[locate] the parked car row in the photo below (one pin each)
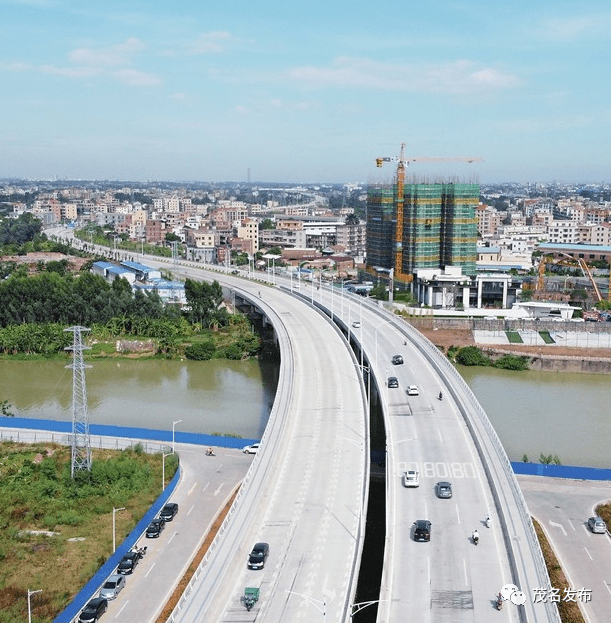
(116, 582)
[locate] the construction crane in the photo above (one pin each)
(586, 271)
(402, 163)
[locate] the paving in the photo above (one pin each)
(562, 507)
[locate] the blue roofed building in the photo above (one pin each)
(110, 272)
(142, 272)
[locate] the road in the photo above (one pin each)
(562, 507)
(205, 486)
(307, 494)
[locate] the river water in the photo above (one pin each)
(562, 414)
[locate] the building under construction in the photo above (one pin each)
(438, 228)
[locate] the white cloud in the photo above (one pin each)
(452, 77)
(135, 78)
(573, 27)
(107, 57)
(211, 42)
(70, 72)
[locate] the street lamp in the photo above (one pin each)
(173, 425)
(319, 605)
(364, 604)
(29, 608)
(164, 469)
(115, 510)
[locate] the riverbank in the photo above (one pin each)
(549, 358)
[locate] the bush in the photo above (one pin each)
(202, 351)
(472, 356)
(511, 362)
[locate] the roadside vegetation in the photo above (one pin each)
(56, 531)
(603, 511)
(473, 356)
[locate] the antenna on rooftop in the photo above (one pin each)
(81, 443)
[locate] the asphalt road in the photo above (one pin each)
(562, 507)
(206, 484)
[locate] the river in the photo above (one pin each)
(552, 413)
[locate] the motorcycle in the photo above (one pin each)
(500, 601)
(488, 521)
(210, 452)
(440, 396)
(475, 537)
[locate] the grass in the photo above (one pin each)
(547, 337)
(569, 611)
(39, 496)
(603, 510)
(514, 337)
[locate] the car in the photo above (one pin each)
(128, 562)
(252, 449)
(258, 556)
(169, 511)
(356, 324)
(410, 478)
(392, 382)
(397, 360)
(444, 490)
(113, 586)
(296, 285)
(413, 390)
(94, 609)
(597, 525)
(422, 530)
(155, 528)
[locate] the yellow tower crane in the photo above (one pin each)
(402, 163)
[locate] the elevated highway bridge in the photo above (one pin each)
(306, 491)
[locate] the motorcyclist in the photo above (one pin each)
(475, 537)
(440, 396)
(488, 521)
(500, 601)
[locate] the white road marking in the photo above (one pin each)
(557, 525)
(589, 555)
(122, 609)
(465, 574)
(189, 511)
(458, 517)
(219, 489)
(173, 535)
(193, 486)
(205, 487)
(150, 569)
(607, 586)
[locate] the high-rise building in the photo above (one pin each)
(439, 227)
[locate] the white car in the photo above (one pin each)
(251, 449)
(410, 478)
(356, 324)
(413, 390)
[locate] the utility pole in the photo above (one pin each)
(81, 443)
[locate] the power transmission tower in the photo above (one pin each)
(81, 443)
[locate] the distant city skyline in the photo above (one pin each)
(305, 92)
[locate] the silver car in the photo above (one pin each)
(113, 586)
(597, 525)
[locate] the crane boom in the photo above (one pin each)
(402, 163)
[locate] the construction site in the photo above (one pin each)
(412, 226)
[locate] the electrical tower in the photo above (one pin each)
(81, 443)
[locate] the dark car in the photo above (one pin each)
(128, 562)
(422, 530)
(397, 360)
(258, 555)
(155, 528)
(169, 511)
(392, 382)
(93, 610)
(444, 490)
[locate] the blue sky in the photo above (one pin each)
(304, 92)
